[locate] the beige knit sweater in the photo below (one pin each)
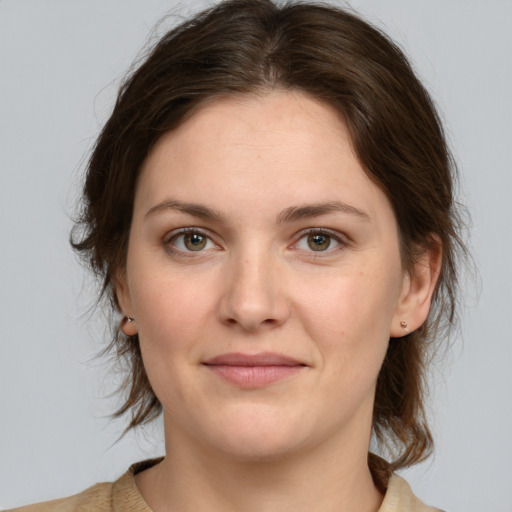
(124, 496)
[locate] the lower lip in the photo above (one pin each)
(254, 376)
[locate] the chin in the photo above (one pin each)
(259, 437)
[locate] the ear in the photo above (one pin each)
(124, 303)
(418, 287)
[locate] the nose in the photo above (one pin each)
(253, 297)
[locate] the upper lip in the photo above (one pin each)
(261, 359)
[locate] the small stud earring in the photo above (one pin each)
(130, 319)
(403, 325)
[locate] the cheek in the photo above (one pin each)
(173, 317)
(172, 310)
(352, 302)
(349, 316)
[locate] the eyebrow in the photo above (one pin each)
(196, 210)
(291, 214)
(296, 213)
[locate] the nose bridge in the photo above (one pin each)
(253, 295)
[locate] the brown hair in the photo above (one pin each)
(252, 46)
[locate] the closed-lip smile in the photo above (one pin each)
(252, 371)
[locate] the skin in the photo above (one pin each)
(258, 285)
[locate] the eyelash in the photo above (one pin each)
(340, 240)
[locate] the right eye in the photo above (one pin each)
(191, 241)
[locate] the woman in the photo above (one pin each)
(270, 210)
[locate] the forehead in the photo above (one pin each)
(282, 147)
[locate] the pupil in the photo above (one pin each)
(319, 242)
(195, 241)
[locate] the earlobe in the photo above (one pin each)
(417, 291)
(128, 324)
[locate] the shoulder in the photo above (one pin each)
(98, 498)
(121, 495)
(400, 498)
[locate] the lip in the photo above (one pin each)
(252, 371)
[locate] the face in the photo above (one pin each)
(264, 276)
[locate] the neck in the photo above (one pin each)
(319, 478)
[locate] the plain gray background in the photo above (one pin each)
(60, 64)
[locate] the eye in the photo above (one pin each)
(191, 241)
(318, 241)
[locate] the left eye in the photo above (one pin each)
(192, 241)
(317, 241)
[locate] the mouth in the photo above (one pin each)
(250, 371)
